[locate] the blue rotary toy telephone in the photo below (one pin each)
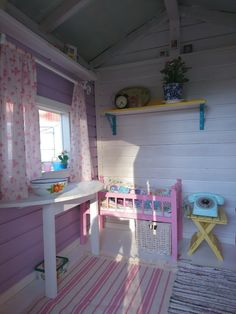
(206, 204)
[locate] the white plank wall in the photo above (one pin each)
(161, 147)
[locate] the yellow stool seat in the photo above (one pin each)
(205, 226)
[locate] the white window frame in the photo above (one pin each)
(47, 104)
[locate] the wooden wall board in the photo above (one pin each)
(162, 147)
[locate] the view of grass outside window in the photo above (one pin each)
(53, 129)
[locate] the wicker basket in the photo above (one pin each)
(153, 236)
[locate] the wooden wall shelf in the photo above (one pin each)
(157, 106)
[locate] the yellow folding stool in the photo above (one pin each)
(205, 226)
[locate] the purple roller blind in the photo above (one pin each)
(53, 86)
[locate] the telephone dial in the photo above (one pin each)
(206, 204)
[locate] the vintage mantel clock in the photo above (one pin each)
(121, 101)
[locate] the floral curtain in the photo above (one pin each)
(80, 160)
(19, 123)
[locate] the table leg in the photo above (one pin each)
(204, 229)
(211, 239)
(49, 242)
(205, 234)
(94, 225)
(83, 223)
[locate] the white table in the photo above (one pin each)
(75, 194)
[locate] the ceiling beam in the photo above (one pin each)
(210, 16)
(109, 52)
(62, 13)
(24, 19)
(174, 26)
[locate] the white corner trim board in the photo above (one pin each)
(15, 29)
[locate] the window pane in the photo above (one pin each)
(50, 135)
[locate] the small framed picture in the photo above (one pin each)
(188, 48)
(71, 51)
(174, 44)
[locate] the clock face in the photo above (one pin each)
(121, 101)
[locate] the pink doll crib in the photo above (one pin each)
(164, 207)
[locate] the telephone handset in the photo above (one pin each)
(206, 204)
(218, 198)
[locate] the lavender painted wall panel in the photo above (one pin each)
(11, 248)
(11, 214)
(20, 266)
(92, 131)
(67, 235)
(25, 251)
(91, 120)
(19, 226)
(67, 228)
(21, 243)
(21, 237)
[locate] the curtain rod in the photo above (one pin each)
(45, 65)
(85, 84)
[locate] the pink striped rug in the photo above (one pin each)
(102, 285)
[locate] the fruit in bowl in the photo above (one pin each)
(45, 187)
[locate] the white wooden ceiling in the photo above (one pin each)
(99, 27)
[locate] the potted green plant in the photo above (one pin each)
(64, 159)
(173, 79)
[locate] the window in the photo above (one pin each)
(54, 132)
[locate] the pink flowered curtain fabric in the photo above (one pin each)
(80, 160)
(19, 123)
